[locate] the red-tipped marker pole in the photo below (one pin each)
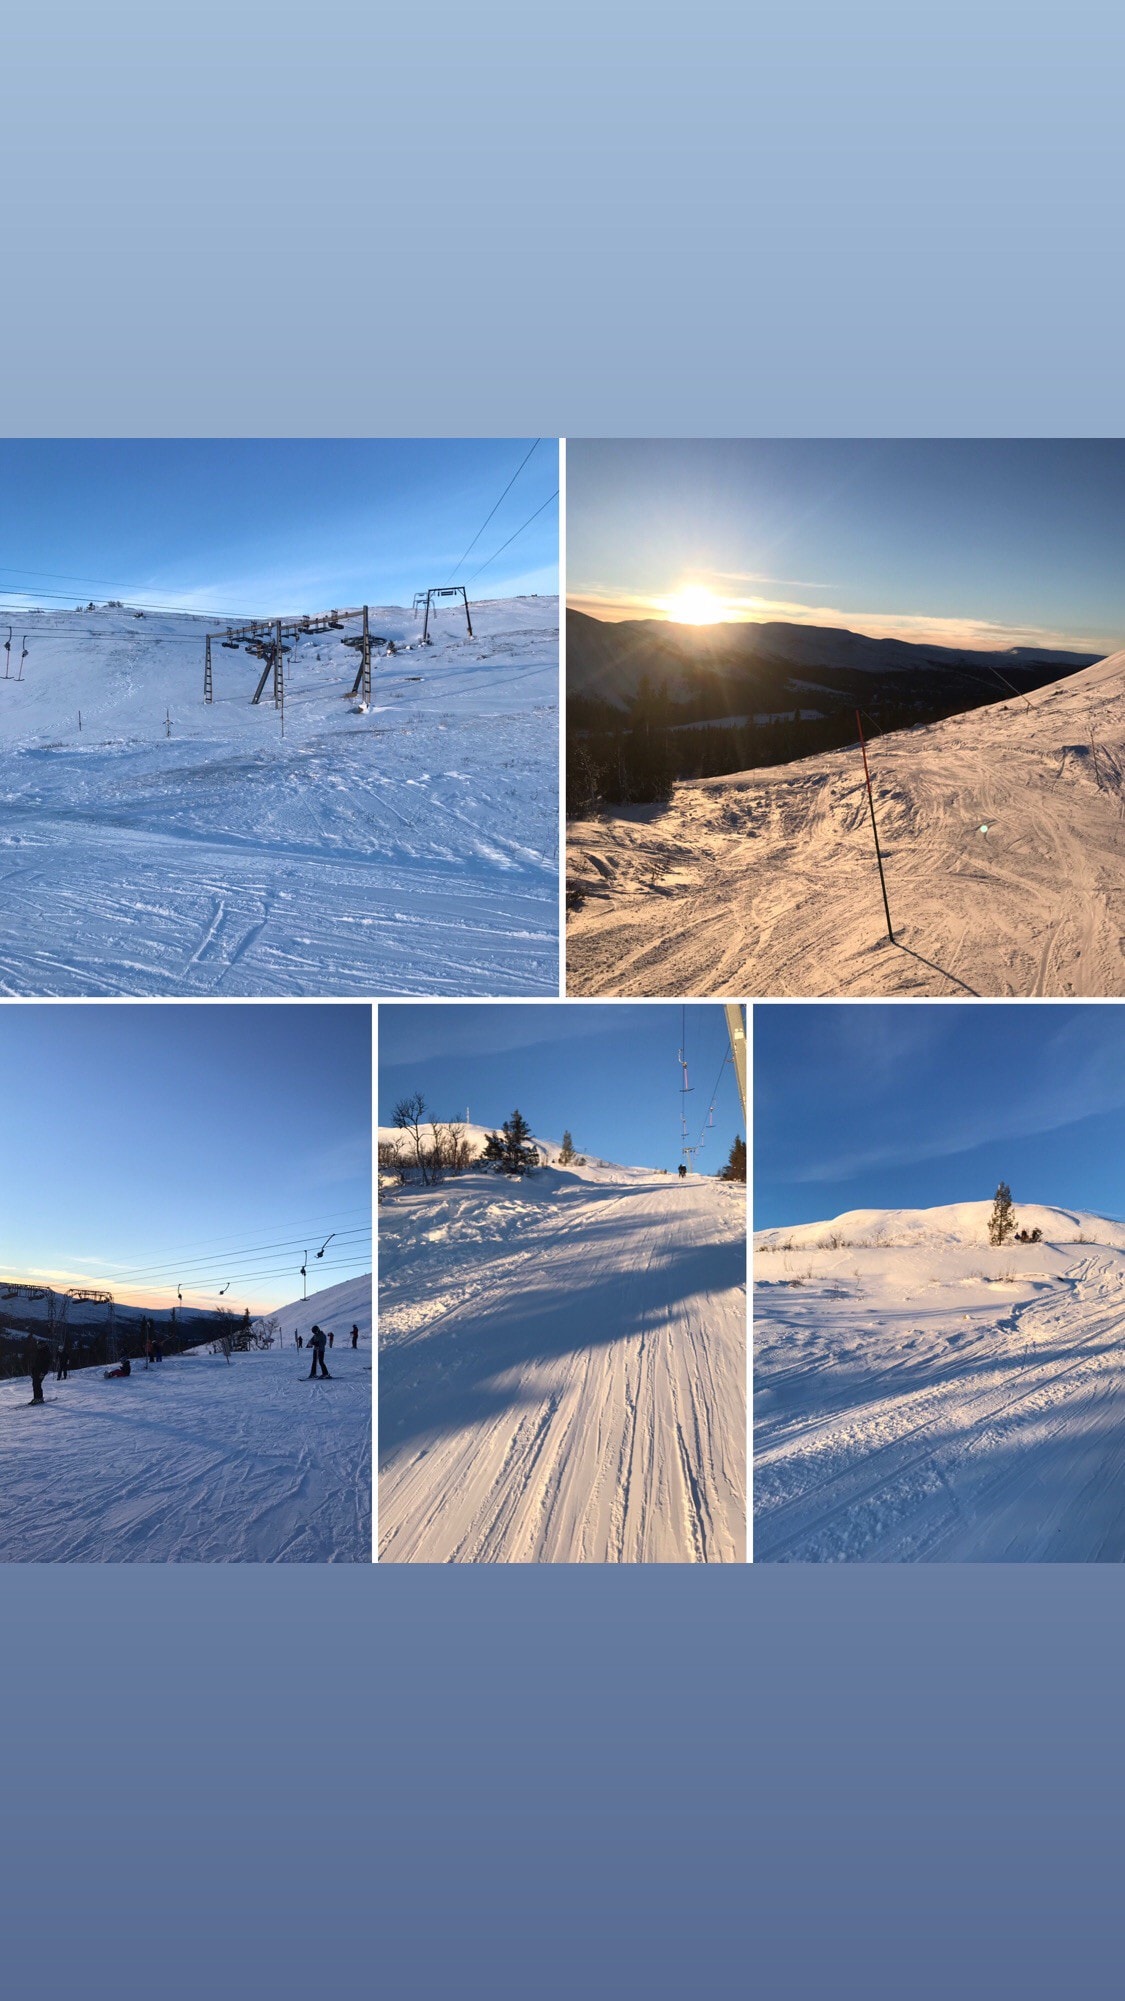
(874, 828)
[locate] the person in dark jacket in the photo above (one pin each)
(124, 1368)
(38, 1363)
(355, 1337)
(317, 1343)
(331, 1337)
(63, 1371)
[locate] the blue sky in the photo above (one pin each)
(608, 1073)
(149, 1146)
(253, 527)
(912, 1105)
(1015, 542)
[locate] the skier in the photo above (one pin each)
(124, 1368)
(225, 1345)
(317, 1343)
(38, 1363)
(355, 1337)
(63, 1370)
(331, 1337)
(683, 1172)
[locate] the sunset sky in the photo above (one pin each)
(958, 543)
(155, 1149)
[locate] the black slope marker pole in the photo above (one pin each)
(874, 829)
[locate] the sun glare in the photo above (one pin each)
(695, 606)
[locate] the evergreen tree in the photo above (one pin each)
(1002, 1222)
(519, 1154)
(493, 1155)
(566, 1150)
(735, 1169)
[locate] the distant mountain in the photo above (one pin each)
(727, 663)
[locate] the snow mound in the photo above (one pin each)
(955, 1223)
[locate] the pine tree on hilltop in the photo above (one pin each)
(520, 1156)
(493, 1155)
(735, 1169)
(1002, 1222)
(566, 1150)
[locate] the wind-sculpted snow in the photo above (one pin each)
(411, 849)
(921, 1394)
(197, 1460)
(562, 1369)
(1003, 833)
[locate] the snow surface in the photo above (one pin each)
(409, 849)
(562, 1367)
(197, 1460)
(1004, 847)
(920, 1394)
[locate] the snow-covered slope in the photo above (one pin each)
(196, 1459)
(562, 1369)
(920, 1393)
(154, 844)
(1003, 833)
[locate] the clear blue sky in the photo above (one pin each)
(190, 1137)
(608, 1073)
(913, 1105)
(259, 527)
(1015, 542)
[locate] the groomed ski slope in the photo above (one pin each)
(921, 1395)
(197, 1460)
(562, 1369)
(411, 849)
(766, 882)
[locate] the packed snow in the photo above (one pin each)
(562, 1368)
(922, 1394)
(154, 844)
(1003, 841)
(196, 1459)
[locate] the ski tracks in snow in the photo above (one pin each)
(765, 882)
(581, 1400)
(1001, 1440)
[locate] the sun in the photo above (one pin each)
(695, 606)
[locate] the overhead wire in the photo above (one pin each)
(512, 538)
(492, 511)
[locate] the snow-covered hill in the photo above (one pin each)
(1003, 833)
(562, 1369)
(154, 844)
(199, 1460)
(920, 1393)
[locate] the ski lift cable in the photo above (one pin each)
(488, 517)
(239, 1265)
(231, 1257)
(512, 538)
(714, 1094)
(226, 1250)
(209, 1289)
